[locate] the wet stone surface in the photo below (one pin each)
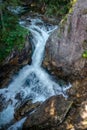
(25, 109)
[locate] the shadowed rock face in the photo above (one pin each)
(51, 113)
(25, 109)
(13, 62)
(77, 116)
(65, 46)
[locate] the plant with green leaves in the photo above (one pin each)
(84, 55)
(12, 35)
(57, 7)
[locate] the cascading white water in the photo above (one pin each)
(32, 82)
(41, 37)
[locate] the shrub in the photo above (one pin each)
(13, 35)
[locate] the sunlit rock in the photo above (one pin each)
(66, 45)
(52, 112)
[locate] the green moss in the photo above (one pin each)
(62, 26)
(64, 19)
(84, 55)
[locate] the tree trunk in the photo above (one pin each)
(1, 15)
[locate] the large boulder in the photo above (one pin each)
(51, 113)
(65, 46)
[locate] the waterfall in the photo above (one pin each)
(40, 36)
(32, 82)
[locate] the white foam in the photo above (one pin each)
(7, 115)
(32, 82)
(17, 125)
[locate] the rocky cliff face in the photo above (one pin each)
(64, 49)
(14, 61)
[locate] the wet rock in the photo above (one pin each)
(51, 113)
(26, 108)
(19, 96)
(65, 46)
(4, 103)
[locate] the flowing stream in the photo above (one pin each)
(32, 82)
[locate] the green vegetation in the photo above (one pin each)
(65, 16)
(59, 8)
(56, 7)
(12, 35)
(84, 55)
